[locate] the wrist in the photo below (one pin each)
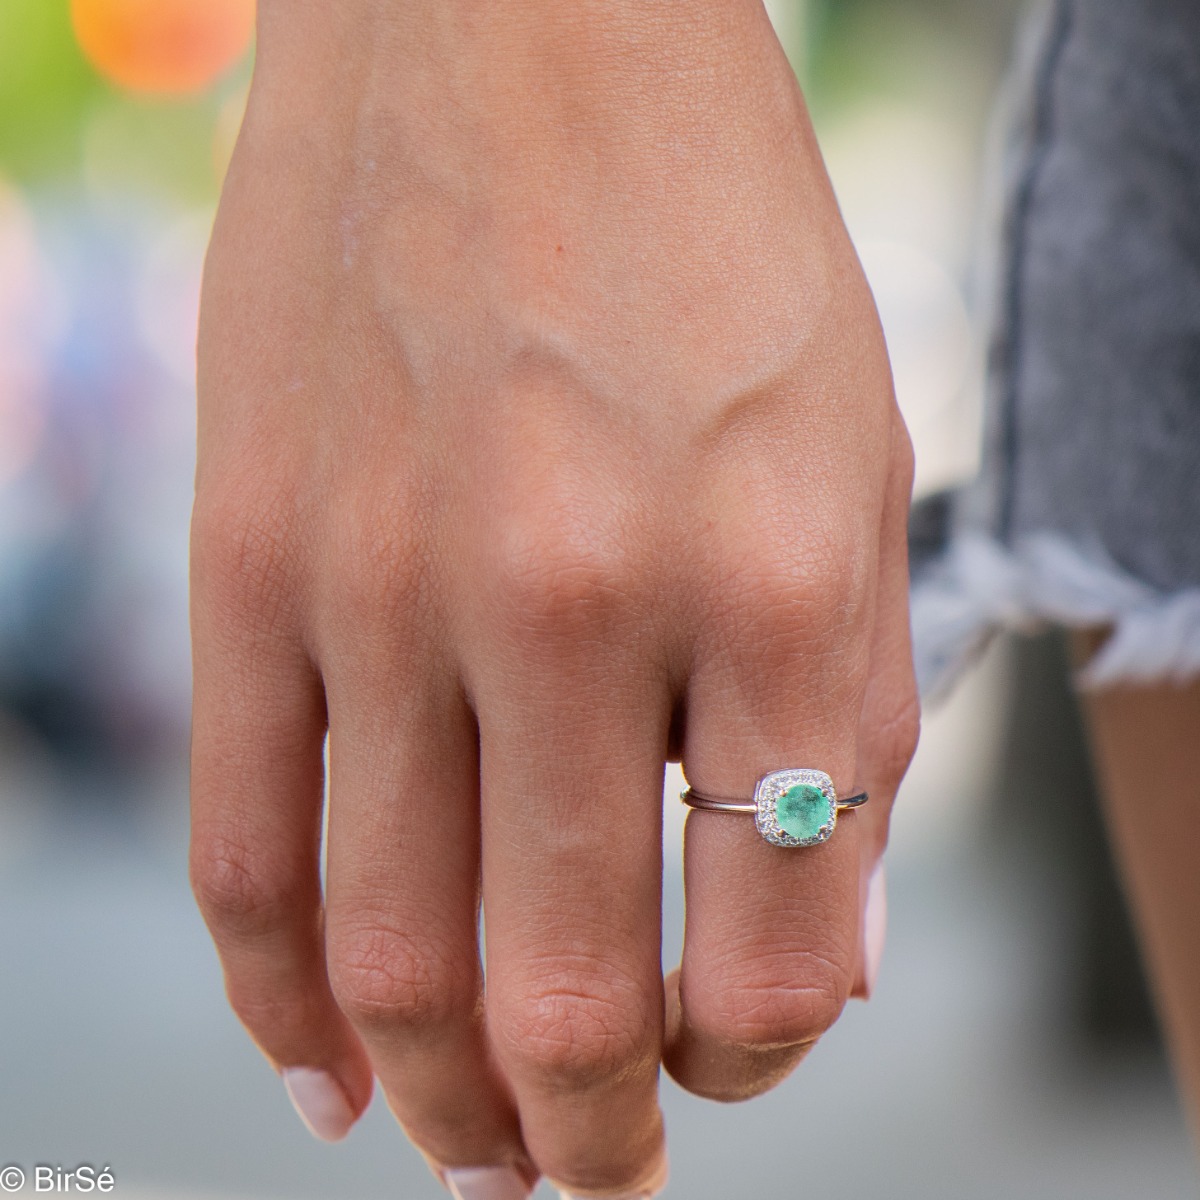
(575, 39)
(460, 64)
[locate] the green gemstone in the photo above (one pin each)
(802, 811)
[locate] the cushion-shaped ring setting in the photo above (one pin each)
(796, 807)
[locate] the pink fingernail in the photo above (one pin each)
(875, 925)
(626, 1196)
(485, 1183)
(320, 1102)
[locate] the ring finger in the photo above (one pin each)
(771, 938)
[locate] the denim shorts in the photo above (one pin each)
(1087, 509)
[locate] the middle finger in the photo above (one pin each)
(572, 737)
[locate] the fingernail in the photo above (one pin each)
(874, 925)
(320, 1102)
(625, 1196)
(485, 1183)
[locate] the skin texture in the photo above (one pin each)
(546, 432)
(1144, 740)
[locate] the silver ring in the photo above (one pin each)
(793, 807)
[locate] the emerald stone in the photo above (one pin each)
(803, 811)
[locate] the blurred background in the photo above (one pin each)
(1009, 1051)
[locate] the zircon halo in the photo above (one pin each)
(795, 807)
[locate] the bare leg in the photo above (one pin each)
(1146, 743)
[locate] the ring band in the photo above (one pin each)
(793, 807)
(695, 799)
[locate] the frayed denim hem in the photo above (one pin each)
(977, 587)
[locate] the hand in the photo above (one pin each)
(546, 432)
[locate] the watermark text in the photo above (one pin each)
(54, 1177)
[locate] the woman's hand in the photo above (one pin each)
(546, 431)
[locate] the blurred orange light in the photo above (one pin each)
(171, 47)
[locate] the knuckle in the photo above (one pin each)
(243, 545)
(834, 587)
(772, 1010)
(570, 1040)
(817, 625)
(561, 575)
(242, 892)
(377, 559)
(815, 584)
(387, 980)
